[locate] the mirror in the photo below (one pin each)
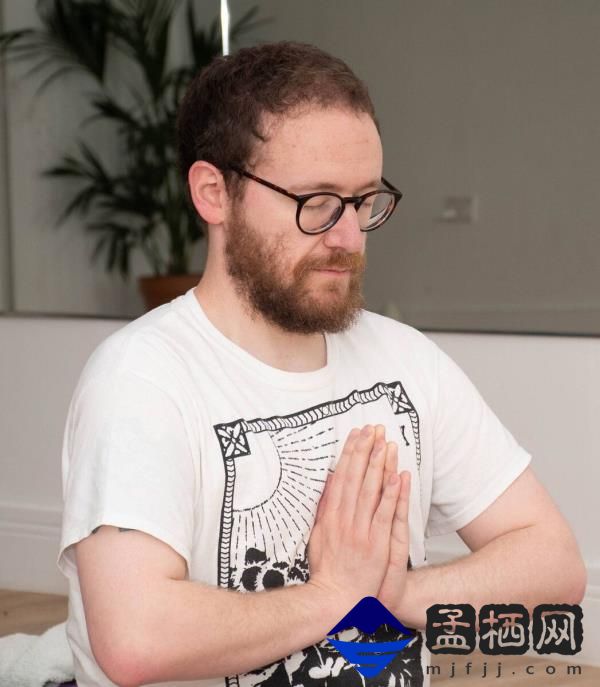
(489, 117)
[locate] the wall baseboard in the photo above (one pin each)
(29, 542)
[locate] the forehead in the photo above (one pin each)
(322, 145)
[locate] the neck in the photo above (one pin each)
(267, 342)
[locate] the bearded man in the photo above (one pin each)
(245, 464)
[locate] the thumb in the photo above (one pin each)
(323, 500)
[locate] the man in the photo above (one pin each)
(197, 538)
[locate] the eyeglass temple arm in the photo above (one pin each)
(390, 186)
(241, 172)
(296, 197)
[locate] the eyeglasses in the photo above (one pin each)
(318, 212)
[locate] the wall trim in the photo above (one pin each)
(504, 318)
(15, 518)
(29, 541)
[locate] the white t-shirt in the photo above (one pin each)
(175, 431)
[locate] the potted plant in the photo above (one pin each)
(141, 205)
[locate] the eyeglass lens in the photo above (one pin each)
(321, 210)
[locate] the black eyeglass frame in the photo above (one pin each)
(302, 199)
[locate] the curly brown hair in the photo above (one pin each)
(221, 117)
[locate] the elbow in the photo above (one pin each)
(574, 576)
(578, 583)
(121, 661)
(125, 674)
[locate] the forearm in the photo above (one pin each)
(193, 631)
(524, 566)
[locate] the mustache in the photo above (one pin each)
(355, 262)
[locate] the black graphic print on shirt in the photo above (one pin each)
(275, 471)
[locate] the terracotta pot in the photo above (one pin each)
(159, 290)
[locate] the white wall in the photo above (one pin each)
(543, 388)
(40, 361)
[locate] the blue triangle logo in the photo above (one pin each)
(370, 658)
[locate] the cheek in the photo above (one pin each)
(274, 214)
(307, 251)
(274, 226)
(293, 249)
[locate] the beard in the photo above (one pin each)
(283, 294)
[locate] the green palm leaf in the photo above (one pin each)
(140, 203)
(141, 30)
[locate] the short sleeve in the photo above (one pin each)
(475, 458)
(126, 462)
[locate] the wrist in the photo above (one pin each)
(407, 607)
(330, 604)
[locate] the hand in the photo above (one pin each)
(394, 582)
(349, 546)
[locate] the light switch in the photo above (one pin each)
(459, 210)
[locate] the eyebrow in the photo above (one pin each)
(299, 189)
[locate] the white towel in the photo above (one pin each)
(32, 660)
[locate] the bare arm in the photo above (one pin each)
(147, 623)
(523, 551)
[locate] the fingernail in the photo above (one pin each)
(367, 430)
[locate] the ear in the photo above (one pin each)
(208, 192)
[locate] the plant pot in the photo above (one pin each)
(159, 290)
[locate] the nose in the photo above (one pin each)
(346, 233)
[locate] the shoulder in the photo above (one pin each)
(149, 349)
(390, 347)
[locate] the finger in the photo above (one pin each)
(370, 491)
(379, 432)
(403, 501)
(336, 480)
(395, 577)
(391, 461)
(379, 442)
(347, 449)
(354, 473)
(322, 505)
(400, 536)
(388, 469)
(381, 525)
